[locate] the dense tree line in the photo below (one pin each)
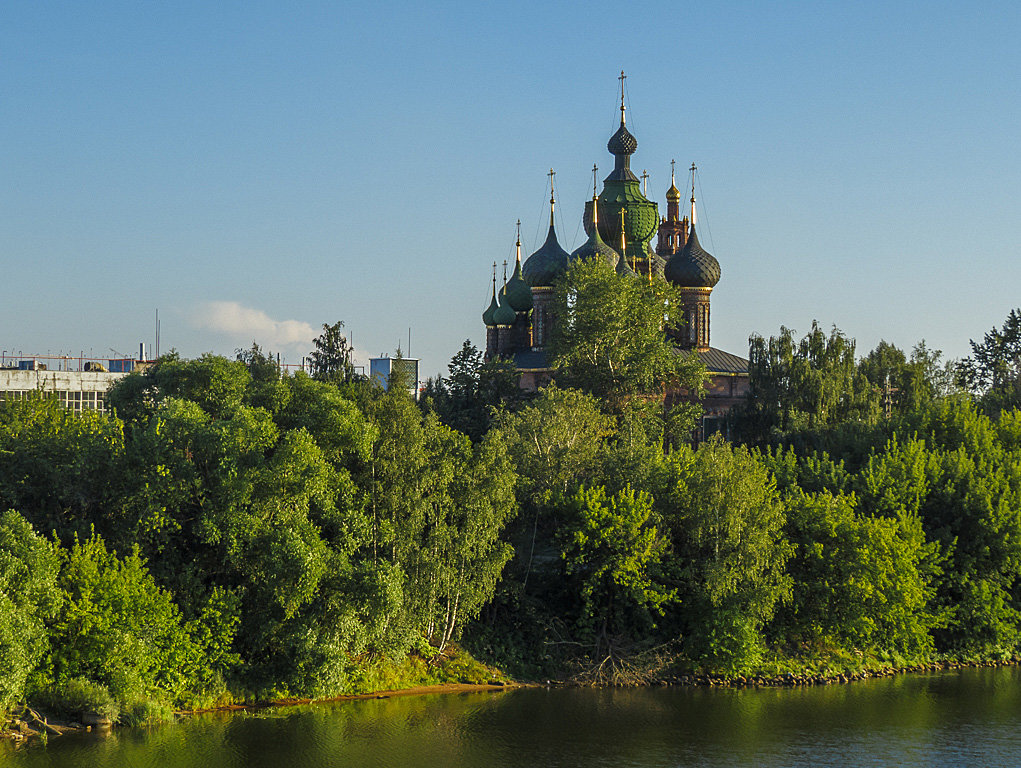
(226, 530)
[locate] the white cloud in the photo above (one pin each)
(246, 324)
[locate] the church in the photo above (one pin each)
(620, 223)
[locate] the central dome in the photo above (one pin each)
(622, 142)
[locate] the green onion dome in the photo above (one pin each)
(693, 266)
(519, 295)
(488, 315)
(544, 266)
(504, 314)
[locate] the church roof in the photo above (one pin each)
(531, 360)
(720, 362)
(594, 247)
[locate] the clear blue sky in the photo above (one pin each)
(256, 169)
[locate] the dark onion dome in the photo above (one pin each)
(624, 269)
(544, 266)
(623, 141)
(504, 315)
(519, 295)
(594, 247)
(488, 315)
(692, 266)
(658, 262)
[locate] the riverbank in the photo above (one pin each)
(792, 680)
(27, 723)
(450, 672)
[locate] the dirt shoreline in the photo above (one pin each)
(29, 724)
(418, 690)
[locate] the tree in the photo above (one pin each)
(438, 506)
(555, 442)
(610, 335)
(912, 382)
(468, 398)
(863, 582)
(115, 627)
(64, 472)
(331, 359)
(802, 385)
(994, 369)
(725, 520)
(267, 389)
(613, 550)
(28, 598)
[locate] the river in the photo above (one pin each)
(966, 718)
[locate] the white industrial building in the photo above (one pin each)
(76, 390)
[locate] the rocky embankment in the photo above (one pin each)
(791, 680)
(25, 723)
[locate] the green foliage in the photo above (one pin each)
(469, 397)
(115, 627)
(909, 383)
(555, 442)
(994, 369)
(860, 581)
(267, 390)
(76, 695)
(215, 384)
(331, 358)
(438, 507)
(612, 548)
(610, 336)
(63, 471)
(28, 599)
(725, 521)
(232, 529)
(804, 385)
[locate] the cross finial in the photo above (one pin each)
(519, 232)
(505, 271)
(622, 78)
(693, 169)
(645, 182)
(595, 170)
(623, 242)
(672, 164)
(552, 199)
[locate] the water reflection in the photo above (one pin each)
(970, 718)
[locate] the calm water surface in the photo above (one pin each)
(971, 718)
